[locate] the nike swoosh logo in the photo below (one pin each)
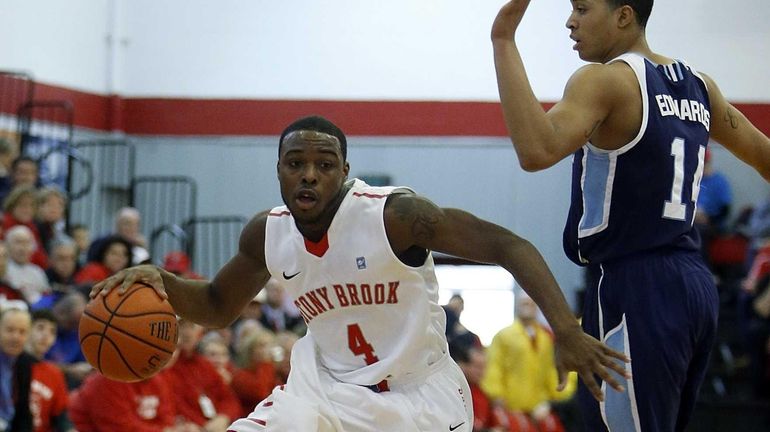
(287, 277)
(451, 428)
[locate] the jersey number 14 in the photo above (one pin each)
(676, 208)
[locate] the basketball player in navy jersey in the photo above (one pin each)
(356, 260)
(637, 124)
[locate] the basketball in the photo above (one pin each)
(130, 337)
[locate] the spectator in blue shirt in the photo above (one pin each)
(715, 198)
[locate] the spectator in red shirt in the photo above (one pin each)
(48, 392)
(214, 348)
(202, 396)
(486, 416)
(257, 376)
(112, 255)
(103, 405)
(178, 262)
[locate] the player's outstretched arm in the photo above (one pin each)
(733, 130)
(542, 139)
(413, 221)
(213, 303)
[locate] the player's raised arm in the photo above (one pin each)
(413, 221)
(213, 303)
(542, 139)
(733, 130)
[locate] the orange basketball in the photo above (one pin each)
(130, 337)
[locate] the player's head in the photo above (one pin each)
(604, 29)
(318, 124)
(641, 8)
(312, 168)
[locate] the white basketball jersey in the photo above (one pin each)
(373, 317)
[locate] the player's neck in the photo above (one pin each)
(628, 43)
(641, 47)
(314, 231)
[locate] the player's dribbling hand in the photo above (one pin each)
(508, 19)
(122, 280)
(590, 358)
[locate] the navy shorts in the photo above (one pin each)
(660, 308)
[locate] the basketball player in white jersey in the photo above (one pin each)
(356, 260)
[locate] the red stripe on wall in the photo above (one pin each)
(160, 116)
(270, 117)
(91, 110)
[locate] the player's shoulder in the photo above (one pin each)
(253, 234)
(608, 80)
(597, 73)
(403, 210)
(259, 220)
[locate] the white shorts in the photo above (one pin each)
(313, 400)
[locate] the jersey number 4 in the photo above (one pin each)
(676, 208)
(359, 346)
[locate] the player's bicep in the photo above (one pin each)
(412, 220)
(733, 130)
(582, 109)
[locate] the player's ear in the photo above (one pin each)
(346, 169)
(625, 16)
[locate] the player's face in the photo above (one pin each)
(311, 171)
(591, 27)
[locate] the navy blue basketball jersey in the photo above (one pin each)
(643, 195)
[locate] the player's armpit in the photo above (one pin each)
(735, 132)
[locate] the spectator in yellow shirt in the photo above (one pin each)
(521, 373)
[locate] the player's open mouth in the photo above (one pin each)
(306, 200)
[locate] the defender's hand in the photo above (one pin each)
(122, 280)
(508, 19)
(588, 357)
